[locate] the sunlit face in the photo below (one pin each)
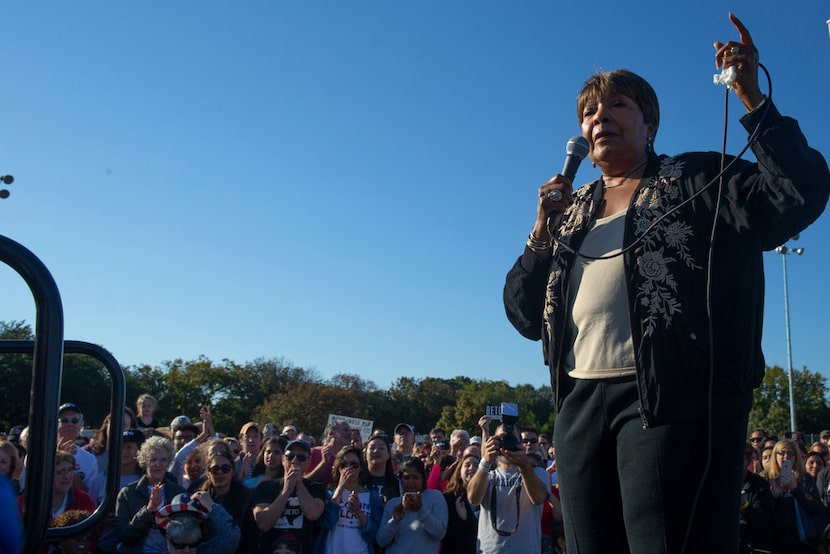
(297, 457)
(70, 424)
(234, 447)
(468, 468)
(766, 456)
(157, 465)
(181, 437)
(64, 477)
(252, 441)
(194, 467)
(146, 408)
(458, 443)
(273, 456)
(220, 472)
(530, 442)
(5, 463)
(377, 453)
(813, 466)
(412, 480)
(615, 129)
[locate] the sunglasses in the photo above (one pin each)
(756, 439)
(182, 546)
(73, 420)
(224, 468)
(353, 465)
(530, 441)
(299, 457)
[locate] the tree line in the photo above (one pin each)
(275, 391)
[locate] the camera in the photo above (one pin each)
(509, 417)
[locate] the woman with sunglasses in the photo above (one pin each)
(353, 513)
(416, 521)
(223, 488)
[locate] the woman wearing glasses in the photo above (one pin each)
(223, 488)
(353, 513)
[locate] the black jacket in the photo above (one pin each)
(763, 204)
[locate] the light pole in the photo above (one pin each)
(784, 251)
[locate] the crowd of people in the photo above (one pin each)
(187, 487)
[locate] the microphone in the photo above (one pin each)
(575, 152)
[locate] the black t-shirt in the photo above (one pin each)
(292, 519)
(386, 487)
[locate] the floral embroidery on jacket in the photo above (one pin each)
(664, 245)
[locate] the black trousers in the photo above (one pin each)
(628, 489)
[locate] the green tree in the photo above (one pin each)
(16, 376)
(771, 402)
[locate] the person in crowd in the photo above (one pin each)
(224, 488)
(290, 504)
(270, 430)
(338, 435)
(269, 462)
(462, 520)
(186, 438)
(379, 476)
(459, 441)
(511, 493)
(813, 464)
(145, 407)
(766, 456)
(821, 449)
(197, 523)
(754, 462)
(250, 437)
(357, 439)
(131, 471)
(530, 441)
(100, 442)
(416, 521)
(70, 424)
(800, 516)
(757, 508)
(137, 503)
(78, 544)
(65, 495)
(824, 437)
(9, 462)
(397, 459)
(307, 438)
(404, 439)
(437, 434)
(290, 432)
(544, 448)
(757, 438)
(353, 513)
(234, 446)
(195, 471)
(287, 543)
(639, 348)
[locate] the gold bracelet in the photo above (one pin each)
(535, 244)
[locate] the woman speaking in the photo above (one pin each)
(646, 288)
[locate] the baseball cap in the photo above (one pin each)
(69, 406)
(475, 440)
(248, 426)
(179, 420)
(288, 428)
(298, 442)
(825, 433)
(405, 426)
(133, 435)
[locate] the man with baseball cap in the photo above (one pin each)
(70, 424)
(290, 504)
(404, 439)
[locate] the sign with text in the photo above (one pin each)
(493, 410)
(365, 425)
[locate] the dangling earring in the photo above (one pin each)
(650, 145)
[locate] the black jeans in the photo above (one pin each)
(629, 489)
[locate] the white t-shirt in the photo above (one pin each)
(345, 537)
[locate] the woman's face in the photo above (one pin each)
(129, 450)
(5, 463)
(220, 472)
(157, 465)
(273, 456)
(146, 408)
(468, 468)
(194, 467)
(615, 129)
(412, 480)
(64, 476)
(377, 453)
(813, 466)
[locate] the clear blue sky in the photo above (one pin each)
(345, 184)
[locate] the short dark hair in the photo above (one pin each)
(620, 81)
